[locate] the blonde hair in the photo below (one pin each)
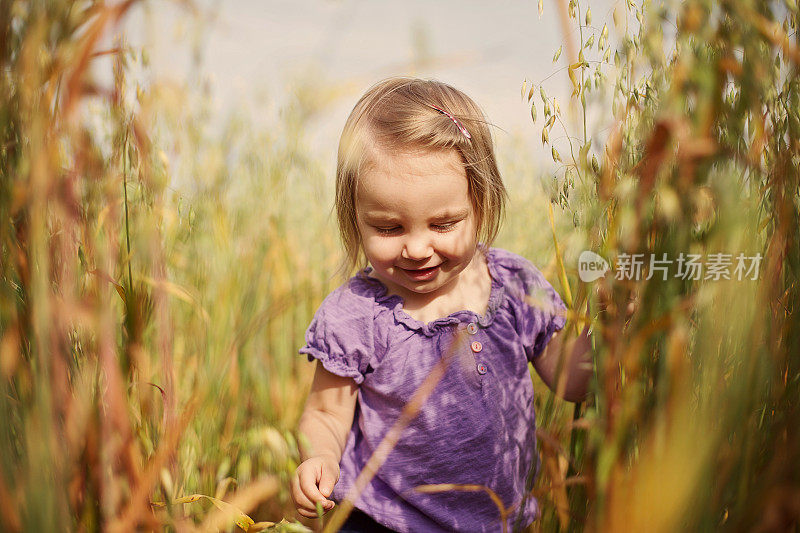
(409, 114)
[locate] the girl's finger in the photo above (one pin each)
(327, 480)
(308, 484)
(307, 514)
(301, 501)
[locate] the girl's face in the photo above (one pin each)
(417, 223)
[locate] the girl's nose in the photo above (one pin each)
(417, 247)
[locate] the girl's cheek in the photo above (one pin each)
(380, 247)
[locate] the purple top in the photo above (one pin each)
(478, 425)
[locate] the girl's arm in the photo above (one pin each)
(325, 424)
(577, 366)
(576, 369)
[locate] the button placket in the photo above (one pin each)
(476, 348)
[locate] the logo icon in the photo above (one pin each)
(591, 266)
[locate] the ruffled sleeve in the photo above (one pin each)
(539, 310)
(341, 335)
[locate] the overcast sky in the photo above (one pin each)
(258, 47)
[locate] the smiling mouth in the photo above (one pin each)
(421, 274)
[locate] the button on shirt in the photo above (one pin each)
(478, 425)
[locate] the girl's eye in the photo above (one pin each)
(444, 227)
(386, 231)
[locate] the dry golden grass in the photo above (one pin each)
(156, 281)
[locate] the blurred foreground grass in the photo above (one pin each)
(157, 279)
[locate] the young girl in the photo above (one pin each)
(419, 197)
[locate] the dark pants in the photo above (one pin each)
(359, 522)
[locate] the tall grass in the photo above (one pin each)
(157, 277)
(694, 421)
(156, 281)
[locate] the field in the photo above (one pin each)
(149, 375)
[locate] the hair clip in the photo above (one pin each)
(455, 121)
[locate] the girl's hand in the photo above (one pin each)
(313, 482)
(326, 423)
